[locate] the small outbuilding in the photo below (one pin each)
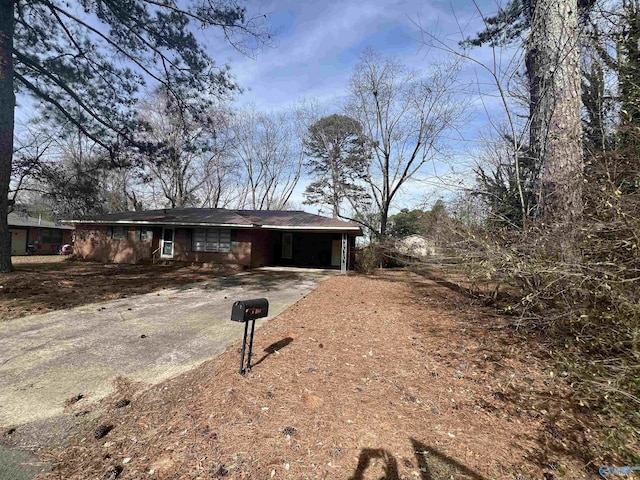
(245, 238)
(416, 246)
(30, 235)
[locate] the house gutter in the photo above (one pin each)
(355, 230)
(333, 229)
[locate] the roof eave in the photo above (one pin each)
(316, 228)
(59, 227)
(348, 229)
(159, 223)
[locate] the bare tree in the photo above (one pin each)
(268, 149)
(221, 170)
(123, 189)
(189, 148)
(221, 181)
(498, 77)
(405, 115)
(30, 148)
(72, 179)
(66, 173)
(507, 180)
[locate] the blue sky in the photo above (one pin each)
(317, 45)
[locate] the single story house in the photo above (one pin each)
(30, 235)
(245, 238)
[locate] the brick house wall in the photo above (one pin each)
(92, 242)
(262, 247)
(239, 254)
(39, 238)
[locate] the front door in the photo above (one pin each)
(167, 243)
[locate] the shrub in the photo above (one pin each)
(366, 259)
(579, 288)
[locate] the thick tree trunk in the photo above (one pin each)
(334, 188)
(384, 220)
(553, 64)
(7, 108)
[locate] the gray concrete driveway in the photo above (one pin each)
(47, 359)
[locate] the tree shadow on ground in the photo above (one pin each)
(39, 289)
(256, 279)
(391, 275)
(432, 464)
(454, 287)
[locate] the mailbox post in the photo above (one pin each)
(246, 311)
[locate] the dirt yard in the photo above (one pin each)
(392, 376)
(44, 283)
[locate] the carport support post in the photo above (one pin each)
(344, 253)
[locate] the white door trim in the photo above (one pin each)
(172, 242)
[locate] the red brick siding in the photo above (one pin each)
(250, 248)
(92, 242)
(262, 242)
(240, 253)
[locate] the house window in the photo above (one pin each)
(50, 235)
(211, 240)
(117, 233)
(145, 235)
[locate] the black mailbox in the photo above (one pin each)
(247, 310)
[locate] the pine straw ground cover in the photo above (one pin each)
(42, 283)
(389, 376)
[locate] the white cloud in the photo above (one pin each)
(319, 44)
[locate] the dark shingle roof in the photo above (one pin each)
(295, 218)
(281, 219)
(171, 216)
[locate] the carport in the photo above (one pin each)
(301, 239)
(305, 248)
